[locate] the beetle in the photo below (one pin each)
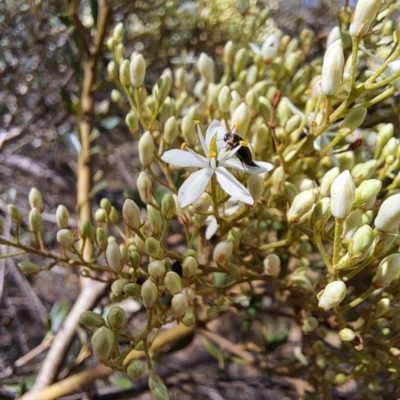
(243, 154)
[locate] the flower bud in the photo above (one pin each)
(382, 242)
(114, 256)
(389, 214)
(170, 130)
(14, 213)
(139, 243)
(270, 47)
(342, 195)
(234, 236)
(135, 369)
(103, 343)
(116, 318)
(179, 304)
(156, 270)
(117, 287)
(163, 88)
(366, 191)
(302, 204)
(321, 214)
(253, 103)
(132, 122)
(173, 283)
(332, 68)
(154, 219)
(35, 220)
(332, 295)
(256, 187)
(153, 248)
(189, 131)
(189, 319)
(189, 267)
(35, 199)
(168, 207)
(145, 187)
(29, 268)
(112, 71)
(183, 214)
(352, 223)
(132, 289)
(146, 149)
(149, 293)
(363, 16)
(131, 215)
(223, 251)
(65, 237)
(333, 36)
(105, 204)
(382, 307)
(113, 216)
(272, 265)
(189, 293)
(101, 216)
(361, 243)
(202, 204)
(91, 320)
(242, 115)
(224, 99)
(137, 70)
(124, 73)
(388, 268)
(157, 387)
(347, 335)
(251, 77)
(385, 133)
(118, 32)
(310, 324)
(205, 65)
(326, 181)
(229, 52)
(239, 63)
(62, 217)
(101, 239)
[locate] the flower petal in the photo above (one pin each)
(212, 228)
(216, 128)
(262, 166)
(255, 48)
(202, 141)
(194, 186)
(234, 163)
(182, 158)
(232, 186)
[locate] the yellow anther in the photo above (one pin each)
(212, 154)
(237, 124)
(307, 91)
(243, 143)
(183, 146)
(196, 122)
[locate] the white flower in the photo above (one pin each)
(216, 160)
(269, 48)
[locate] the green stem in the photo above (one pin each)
(358, 300)
(321, 249)
(336, 248)
(354, 55)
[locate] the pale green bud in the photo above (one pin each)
(116, 318)
(87, 231)
(385, 133)
(189, 267)
(347, 335)
(173, 283)
(91, 320)
(62, 217)
(234, 236)
(101, 239)
(132, 289)
(171, 130)
(154, 219)
(14, 213)
(113, 216)
(213, 312)
(224, 99)
(352, 223)
(167, 110)
(278, 180)
(134, 258)
(363, 16)
(342, 195)
(321, 214)
(118, 32)
(354, 119)
(189, 131)
(191, 253)
(153, 248)
(124, 73)
(189, 319)
(189, 293)
(29, 268)
(135, 369)
(114, 256)
(272, 265)
(149, 293)
(112, 70)
(332, 295)
(290, 191)
(382, 307)
(117, 287)
(292, 61)
(35, 220)
(156, 270)
(256, 187)
(332, 68)
(157, 387)
(168, 207)
(302, 204)
(183, 214)
(361, 243)
(229, 52)
(202, 203)
(137, 70)
(205, 65)
(131, 215)
(366, 191)
(65, 237)
(132, 122)
(179, 304)
(363, 171)
(310, 324)
(389, 214)
(327, 180)
(251, 77)
(101, 216)
(145, 187)
(265, 109)
(111, 42)
(293, 123)
(388, 269)
(105, 204)
(383, 242)
(240, 61)
(103, 343)
(334, 35)
(223, 251)
(35, 199)
(253, 103)
(146, 149)
(139, 243)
